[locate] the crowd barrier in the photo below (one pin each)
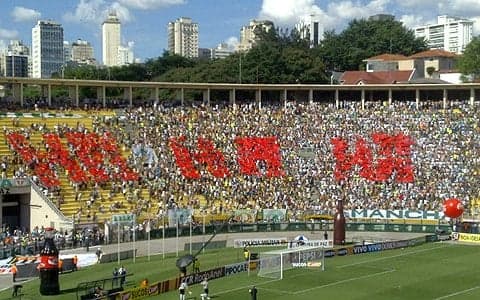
(301, 226)
(126, 254)
(232, 269)
(211, 245)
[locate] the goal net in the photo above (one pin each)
(274, 263)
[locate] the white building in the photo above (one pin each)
(15, 60)
(249, 33)
(124, 56)
(111, 29)
(222, 51)
(82, 52)
(67, 52)
(47, 49)
(450, 33)
(183, 37)
(311, 29)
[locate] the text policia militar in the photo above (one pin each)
(387, 156)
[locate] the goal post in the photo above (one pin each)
(272, 264)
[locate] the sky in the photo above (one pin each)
(144, 22)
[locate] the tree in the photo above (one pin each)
(469, 62)
(366, 38)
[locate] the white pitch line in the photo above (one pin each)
(244, 287)
(343, 281)
(458, 293)
(393, 256)
(263, 283)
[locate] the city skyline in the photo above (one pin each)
(145, 22)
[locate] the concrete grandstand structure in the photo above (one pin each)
(64, 193)
(469, 92)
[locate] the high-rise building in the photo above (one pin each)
(14, 60)
(47, 49)
(221, 51)
(310, 29)
(183, 37)
(111, 29)
(17, 47)
(204, 53)
(450, 33)
(67, 52)
(82, 52)
(249, 33)
(124, 56)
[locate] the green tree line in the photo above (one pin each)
(280, 56)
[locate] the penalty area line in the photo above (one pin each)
(458, 293)
(344, 281)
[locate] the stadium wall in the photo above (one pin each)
(45, 213)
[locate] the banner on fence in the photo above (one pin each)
(245, 215)
(466, 237)
(313, 243)
(236, 268)
(195, 278)
(181, 215)
(394, 214)
(274, 215)
(260, 242)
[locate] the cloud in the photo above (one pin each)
(23, 14)
(150, 4)
(335, 15)
(122, 12)
(464, 8)
(411, 21)
(289, 12)
(416, 4)
(95, 12)
(232, 42)
(476, 25)
(348, 10)
(8, 34)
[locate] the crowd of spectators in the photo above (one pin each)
(16, 241)
(445, 155)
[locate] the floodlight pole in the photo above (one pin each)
(163, 236)
(148, 238)
(118, 243)
(190, 235)
(134, 233)
(323, 257)
(203, 231)
(176, 242)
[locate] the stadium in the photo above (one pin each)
(155, 181)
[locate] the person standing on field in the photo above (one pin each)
(253, 293)
(204, 295)
(183, 289)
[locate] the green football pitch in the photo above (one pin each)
(431, 271)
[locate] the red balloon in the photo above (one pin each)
(452, 208)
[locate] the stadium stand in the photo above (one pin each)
(142, 173)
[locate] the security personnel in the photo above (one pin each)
(75, 261)
(14, 271)
(246, 253)
(60, 265)
(144, 283)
